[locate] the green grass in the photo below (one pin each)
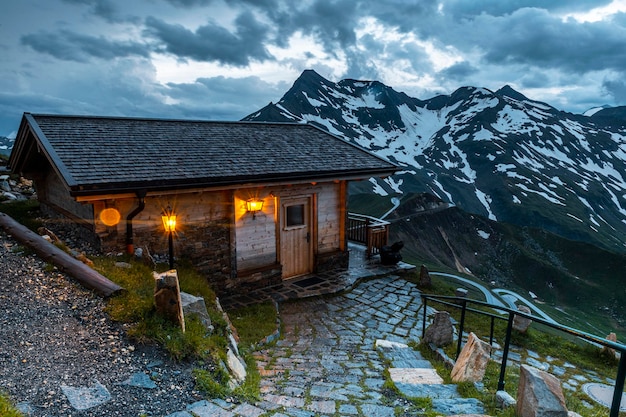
(25, 212)
(7, 408)
(545, 341)
(136, 306)
(254, 323)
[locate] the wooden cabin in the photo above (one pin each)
(255, 203)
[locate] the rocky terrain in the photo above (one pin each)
(56, 342)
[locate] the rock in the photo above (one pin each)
(610, 351)
(236, 366)
(425, 280)
(440, 332)
(196, 305)
(4, 184)
(505, 400)
(167, 297)
(472, 361)
(85, 398)
(460, 292)
(521, 324)
(539, 394)
(140, 380)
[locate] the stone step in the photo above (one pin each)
(458, 406)
(434, 391)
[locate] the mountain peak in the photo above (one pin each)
(508, 91)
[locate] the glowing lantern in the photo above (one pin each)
(253, 205)
(110, 216)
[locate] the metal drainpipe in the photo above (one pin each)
(129, 221)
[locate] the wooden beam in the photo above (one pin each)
(50, 253)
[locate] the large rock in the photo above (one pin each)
(521, 324)
(472, 361)
(440, 332)
(196, 305)
(610, 351)
(539, 394)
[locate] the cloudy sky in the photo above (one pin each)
(224, 59)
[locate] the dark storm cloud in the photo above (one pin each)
(616, 89)
(331, 22)
(458, 71)
(212, 42)
(201, 3)
(70, 46)
(468, 9)
(406, 15)
(104, 9)
(214, 96)
(534, 37)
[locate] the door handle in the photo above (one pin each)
(308, 237)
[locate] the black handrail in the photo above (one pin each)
(621, 368)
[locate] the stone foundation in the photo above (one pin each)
(332, 261)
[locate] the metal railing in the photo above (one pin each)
(368, 230)
(461, 303)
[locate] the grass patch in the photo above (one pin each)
(136, 306)
(254, 323)
(7, 408)
(25, 212)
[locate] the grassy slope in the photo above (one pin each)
(581, 285)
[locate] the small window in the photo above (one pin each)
(294, 215)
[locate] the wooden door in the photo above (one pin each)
(296, 247)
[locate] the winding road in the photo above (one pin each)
(511, 298)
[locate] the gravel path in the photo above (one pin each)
(54, 334)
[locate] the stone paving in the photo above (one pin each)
(333, 356)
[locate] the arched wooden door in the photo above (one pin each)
(296, 240)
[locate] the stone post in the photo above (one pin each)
(167, 297)
(472, 361)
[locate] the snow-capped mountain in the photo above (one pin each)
(497, 154)
(6, 145)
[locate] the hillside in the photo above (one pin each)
(497, 154)
(590, 284)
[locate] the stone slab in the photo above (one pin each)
(415, 376)
(84, 398)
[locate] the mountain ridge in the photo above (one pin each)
(497, 154)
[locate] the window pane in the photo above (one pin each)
(295, 215)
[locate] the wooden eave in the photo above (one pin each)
(31, 147)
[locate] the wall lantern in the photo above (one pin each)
(110, 216)
(253, 205)
(169, 223)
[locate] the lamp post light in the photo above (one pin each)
(169, 223)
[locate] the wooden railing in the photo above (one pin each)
(368, 230)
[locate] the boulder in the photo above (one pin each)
(521, 324)
(472, 361)
(539, 394)
(610, 351)
(425, 280)
(440, 332)
(504, 400)
(461, 293)
(196, 305)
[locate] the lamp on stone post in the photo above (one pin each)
(169, 223)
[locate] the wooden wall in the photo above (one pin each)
(255, 234)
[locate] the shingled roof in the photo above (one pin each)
(94, 155)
